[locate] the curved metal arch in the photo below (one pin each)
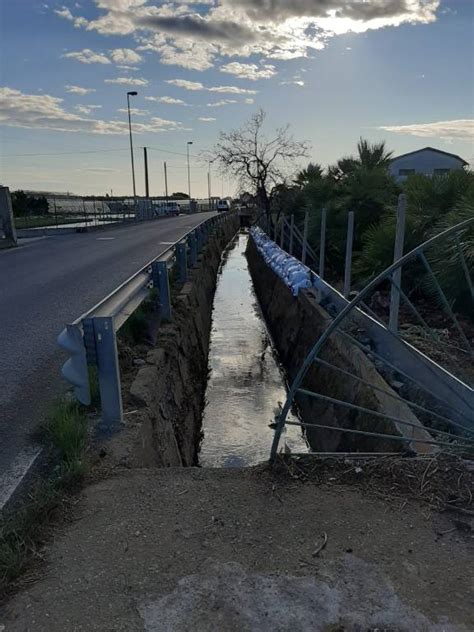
(340, 318)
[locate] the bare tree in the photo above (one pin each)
(258, 162)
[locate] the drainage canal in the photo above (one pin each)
(245, 381)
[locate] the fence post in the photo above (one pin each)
(292, 225)
(349, 244)
(162, 283)
(282, 234)
(6, 215)
(397, 274)
(305, 238)
(275, 232)
(192, 250)
(108, 372)
(181, 257)
(322, 248)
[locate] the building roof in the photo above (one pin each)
(438, 151)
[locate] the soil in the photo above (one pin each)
(209, 549)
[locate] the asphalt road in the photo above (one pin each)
(45, 284)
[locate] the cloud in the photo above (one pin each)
(249, 71)
(231, 90)
(249, 101)
(128, 81)
(207, 119)
(79, 90)
(273, 29)
(187, 85)
(125, 56)
(460, 129)
(197, 85)
(86, 109)
(198, 27)
(134, 111)
(293, 82)
(218, 104)
(43, 111)
(88, 56)
(167, 100)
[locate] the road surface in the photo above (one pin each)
(44, 285)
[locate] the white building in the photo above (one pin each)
(427, 161)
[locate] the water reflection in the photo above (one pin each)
(245, 382)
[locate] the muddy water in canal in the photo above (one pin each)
(245, 381)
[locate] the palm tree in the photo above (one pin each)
(373, 156)
(312, 172)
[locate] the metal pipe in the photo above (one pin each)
(131, 94)
(397, 254)
(190, 142)
(322, 249)
(305, 238)
(147, 188)
(349, 244)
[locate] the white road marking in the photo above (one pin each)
(10, 480)
(105, 238)
(167, 243)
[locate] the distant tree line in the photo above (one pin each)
(25, 205)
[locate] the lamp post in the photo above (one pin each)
(190, 142)
(209, 183)
(131, 94)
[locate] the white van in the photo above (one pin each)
(223, 205)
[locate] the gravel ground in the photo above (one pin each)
(210, 549)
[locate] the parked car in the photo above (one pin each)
(170, 208)
(223, 205)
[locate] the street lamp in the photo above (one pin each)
(190, 142)
(131, 94)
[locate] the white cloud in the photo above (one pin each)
(43, 111)
(125, 56)
(197, 85)
(79, 90)
(187, 85)
(207, 119)
(460, 129)
(218, 104)
(88, 56)
(86, 109)
(134, 111)
(293, 82)
(249, 101)
(128, 81)
(167, 100)
(249, 71)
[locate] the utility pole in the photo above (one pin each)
(131, 94)
(166, 182)
(147, 188)
(209, 184)
(190, 142)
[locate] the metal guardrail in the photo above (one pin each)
(91, 339)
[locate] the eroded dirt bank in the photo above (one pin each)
(187, 549)
(164, 397)
(295, 325)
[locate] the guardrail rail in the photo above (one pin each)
(91, 340)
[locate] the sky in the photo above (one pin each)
(334, 70)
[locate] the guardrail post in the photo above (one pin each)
(349, 243)
(292, 224)
(181, 256)
(192, 249)
(397, 254)
(161, 281)
(108, 372)
(322, 248)
(305, 238)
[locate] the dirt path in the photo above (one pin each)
(194, 549)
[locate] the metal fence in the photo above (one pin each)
(443, 401)
(91, 339)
